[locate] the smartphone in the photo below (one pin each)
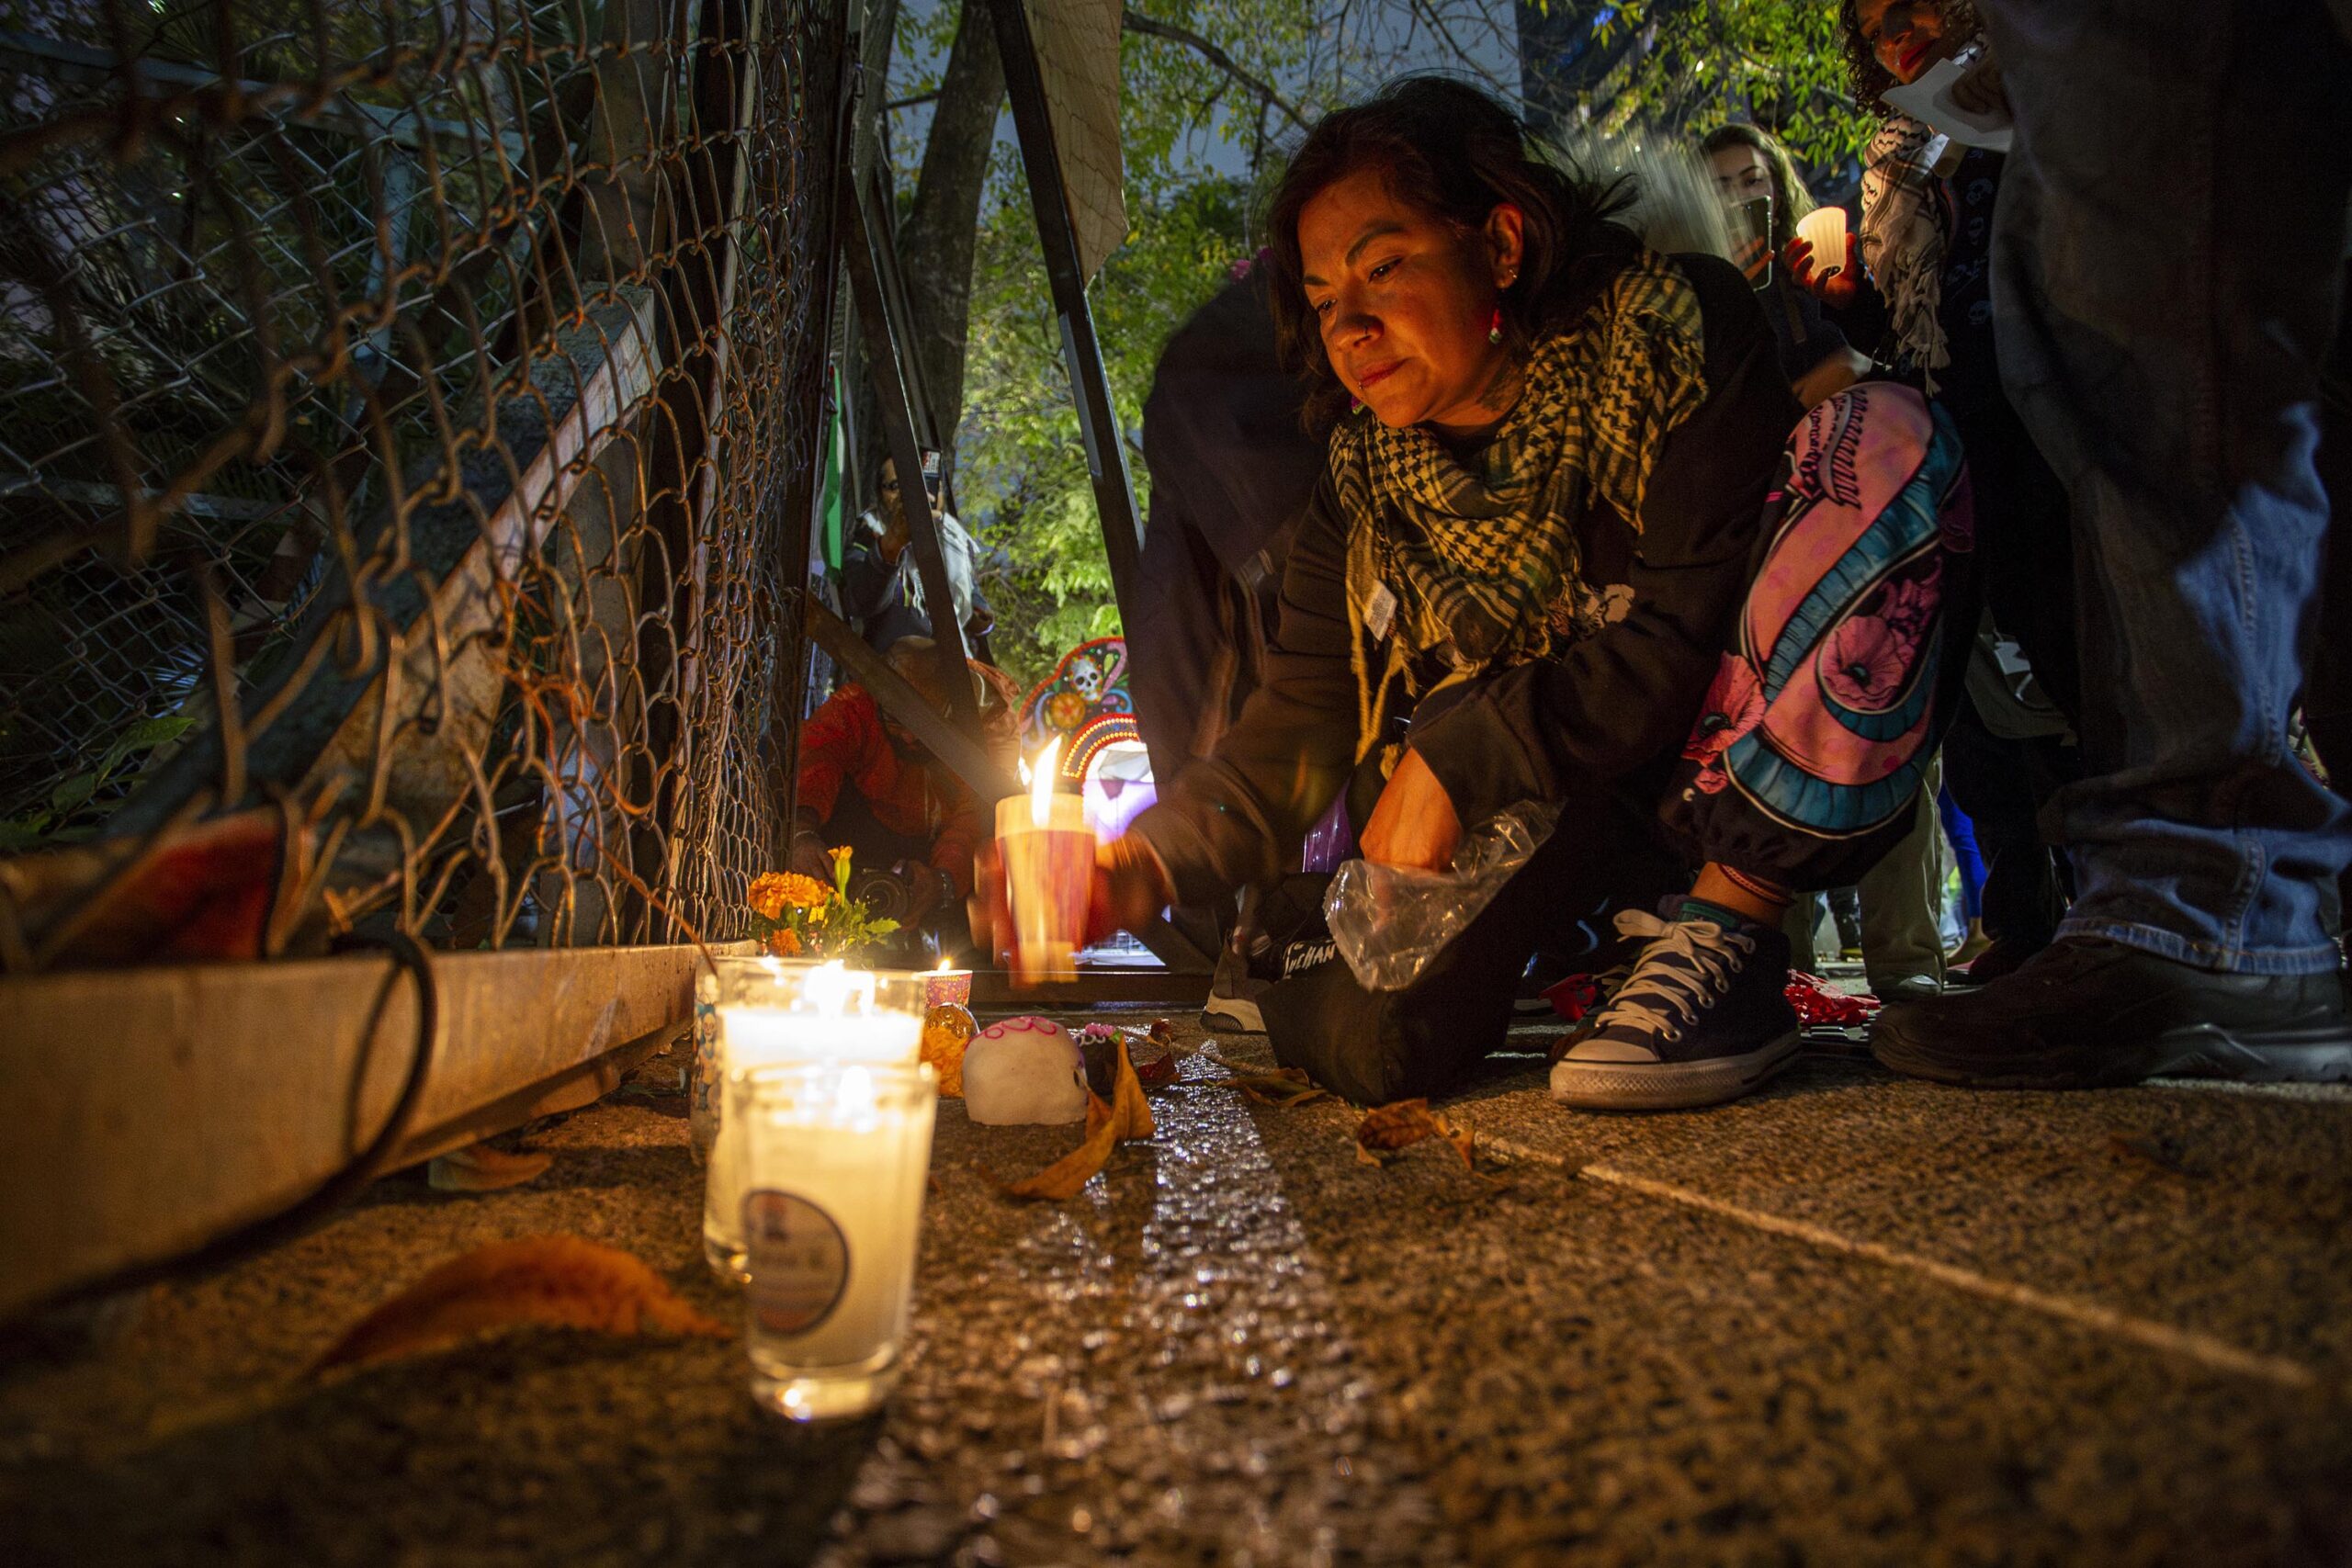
(1751, 240)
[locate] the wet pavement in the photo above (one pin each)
(1851, 1319)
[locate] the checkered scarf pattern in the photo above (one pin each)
(1902, 244)
(1481, 556)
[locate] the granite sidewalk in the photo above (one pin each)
(1853, 1319)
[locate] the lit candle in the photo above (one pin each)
(1824, 229)
(836, 1157)
(1048, 870)
(709, 1094)
(772, 1014)
(944, 986)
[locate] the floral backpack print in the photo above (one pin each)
(1808, 754)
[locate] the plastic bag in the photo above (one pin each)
(1388, 921)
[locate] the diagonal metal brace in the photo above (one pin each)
(1098, 418)
(903, 703)
(897, 424)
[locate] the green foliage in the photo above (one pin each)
(1022, 474)
(1022, 482)
(800, 917)
(70, 815)
(1777, 63)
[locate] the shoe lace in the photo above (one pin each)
(1711, 956)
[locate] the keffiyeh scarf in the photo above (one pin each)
(1459, 567)
(1903, 235)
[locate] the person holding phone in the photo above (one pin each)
(882, 589)
(1757, 177)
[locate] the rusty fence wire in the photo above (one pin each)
(410, 417)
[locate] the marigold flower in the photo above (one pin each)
(766, 895)
(783, 943)
(774, 892)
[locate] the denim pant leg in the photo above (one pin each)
(2166, 257)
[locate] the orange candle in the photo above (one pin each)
(1048, 871)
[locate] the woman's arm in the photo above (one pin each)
(1617, 700)
(1237, 815)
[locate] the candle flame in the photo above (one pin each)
(1041, 789)
(832, 990)
(854, 1094)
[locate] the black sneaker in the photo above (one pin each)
(1703, 1018)
(2084, 1013)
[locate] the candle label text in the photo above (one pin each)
(799, 1261)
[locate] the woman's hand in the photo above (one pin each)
(1128, 889)
(1836, 288)
(809, 857)
(1980, 89)
(1415, 823)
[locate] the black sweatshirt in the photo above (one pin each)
(1609, 713)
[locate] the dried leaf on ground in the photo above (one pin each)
(1388, 1128)
(1123, 1115)
(554, 1281)
(483, 1168)
(1283, 1087)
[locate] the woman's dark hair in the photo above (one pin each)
(1791, 199)
(1871, 78)
(1448, 150)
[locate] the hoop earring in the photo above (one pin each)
(1494, 327)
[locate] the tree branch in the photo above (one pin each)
(1445, 32)
(1151, 26)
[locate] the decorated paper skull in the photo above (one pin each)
(1024, 1071)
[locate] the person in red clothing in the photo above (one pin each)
(867, 783)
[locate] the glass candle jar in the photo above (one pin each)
(772, 1014)
(836, 1160)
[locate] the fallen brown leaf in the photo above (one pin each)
(482, 1168)
(1123, 1115)
(1283, 1087)
(1388, 1128)
(556, 1280)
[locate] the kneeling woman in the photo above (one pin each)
(1515, 583)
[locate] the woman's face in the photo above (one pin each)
(1905, 37)
(1741, 173)
(1404, 302)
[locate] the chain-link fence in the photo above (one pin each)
(409, 408)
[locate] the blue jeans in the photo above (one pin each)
(2166, 252)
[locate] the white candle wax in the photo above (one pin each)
(751, 1037)
(832, 1206)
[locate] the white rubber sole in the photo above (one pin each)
(1667, 1086)
(1235, 1013)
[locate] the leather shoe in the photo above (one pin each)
(2084, 1013)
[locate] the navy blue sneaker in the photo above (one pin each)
(1703, 1018)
